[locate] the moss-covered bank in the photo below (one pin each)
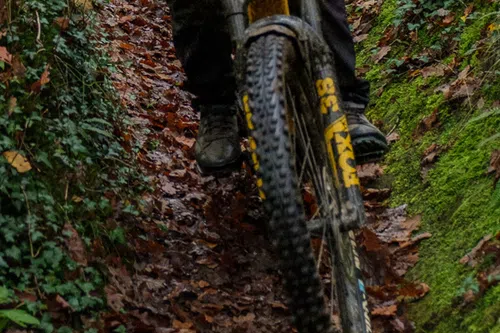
(457, 199)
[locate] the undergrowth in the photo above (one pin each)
(457, 199)
(67, 171)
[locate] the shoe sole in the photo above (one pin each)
(369, 150)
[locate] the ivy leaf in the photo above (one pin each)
(20, 317)
(4, 295)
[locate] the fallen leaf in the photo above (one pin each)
(62, 22)
(5, 56)
(244, 319)
(12, 105)
(464, 73)
(188, 142)
(180, 325)
(44, 79)
(18, 161)
(371, 241)
(386, 311)
(203, 284)
(381, 53)
(369, 172)
(62, 302)
(393, 137)
(360, 38)
(427, 124)
(126, 46)
(18, 68)
(126, 18)
(84, 5)
(75, 245)
(437, 70)
(494, 167)
(471, 258)
(279, 305)
(467, 12)
(448, 19)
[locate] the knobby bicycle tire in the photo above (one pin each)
(278, 92)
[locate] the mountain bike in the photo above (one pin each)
(300, 147)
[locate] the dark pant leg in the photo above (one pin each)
(338, 36)
(203, 46)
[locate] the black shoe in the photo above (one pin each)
(218, 143)
(369, 143)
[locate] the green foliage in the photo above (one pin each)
(68, 129)
(19, 317)
(456, 198)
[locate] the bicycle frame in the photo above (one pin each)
(242, 12)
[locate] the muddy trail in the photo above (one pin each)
(198, 259)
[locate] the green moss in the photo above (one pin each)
(472, 33)
(459, 208)
(455, 198)
(382, 21)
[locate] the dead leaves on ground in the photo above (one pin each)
(390, 246)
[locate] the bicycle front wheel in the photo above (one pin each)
(290, 157)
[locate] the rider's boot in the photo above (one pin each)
(217, 146)
(368, 141)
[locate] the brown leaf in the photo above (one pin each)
(431, 155)
(369, 172)
(360, 38)
(472, 257)
(126, 18)
(126, 46)
(187, 142)
(62, 302)
(464, 73)
(370, 241)
(467, 12)
(44, 79)
(5, 56)
(17, 161)
(427, 124)
(18, 68)
(494, 167)
(386, 311)
(12, 105)
(75, 245)
(180, 325)
(84, 5)
(393, 137)
(448, 19)
(437, 70)
(384, 50)
(244, 319)
(62, 23)
(203, 284)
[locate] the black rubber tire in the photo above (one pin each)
(272, 71)
(267, 63)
